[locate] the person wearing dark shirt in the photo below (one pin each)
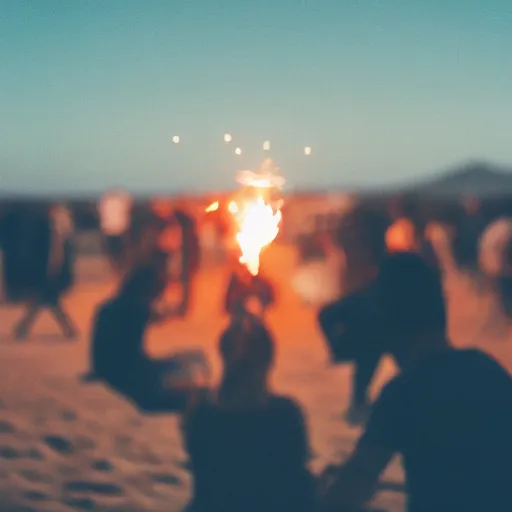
(349, 330)
(43, 266)
(248, 448)
(448, 413)
(190, 256)
(117, 351)
(246, 292)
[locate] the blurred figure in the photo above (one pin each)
(248, 447)
(247, 293)
(402, 234)
(117, 349)
(349, 328)
(448, 413)
(115, 215)
(469, 228)
(190, 255)
(48, 266)
(495, 259)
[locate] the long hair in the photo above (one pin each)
(247, 353)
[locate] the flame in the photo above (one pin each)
(213, 207)
(257, 214)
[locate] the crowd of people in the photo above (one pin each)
(448, 412)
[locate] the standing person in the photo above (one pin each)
(247, 446)
(469, 228)
(495, 260)
(115, 215)
(189, 255)
(448, 413)
(48, 269)
(348, 327)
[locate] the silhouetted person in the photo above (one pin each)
(348, 326)
(190, 256)
(117, 351)
(115, 216)
(448, 413)
(469, 227)
(47, 263)
(246, 292)
(248, 447)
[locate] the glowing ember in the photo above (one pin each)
(213, 207)
(258, 214)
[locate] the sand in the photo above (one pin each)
(66, 445)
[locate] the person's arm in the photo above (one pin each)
(349, 487)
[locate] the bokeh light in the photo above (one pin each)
(176, 139)
(266, 145)
(238, 151)
(307, 151)
(228, 137)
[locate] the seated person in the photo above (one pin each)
(248, 447)
(248, 293)
(448, 413)
(118, 345)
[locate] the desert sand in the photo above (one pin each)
(66, 445)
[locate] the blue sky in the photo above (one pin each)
(91, 92)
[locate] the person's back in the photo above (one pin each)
(248, 447)
(249, 459)
(448, 413)
(117, 344)
(454, 427)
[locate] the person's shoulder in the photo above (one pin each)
(285, 406)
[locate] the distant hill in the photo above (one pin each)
(479, 179)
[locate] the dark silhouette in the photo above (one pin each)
(39, 266)
(190, 257)
(118, 356)
(248, 293)
(448, 413)
(248, 448)
(348, 326)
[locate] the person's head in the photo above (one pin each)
(361, 234)
(247, 353)
(143, 284)
(408, 296)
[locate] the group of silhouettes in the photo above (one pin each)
(448, 412)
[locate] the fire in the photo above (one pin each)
(258, 228)
(257, 216)
(213, 207)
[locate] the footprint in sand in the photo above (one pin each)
(59, 444)
(166, 478)
(102, 488)
(102, 465)
(6, 427)
(35, 496)
(68, 415)
(35, 477)
(9, 453)
(81, 503)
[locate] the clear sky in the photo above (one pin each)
(91, 92)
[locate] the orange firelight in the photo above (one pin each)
(256, 214)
